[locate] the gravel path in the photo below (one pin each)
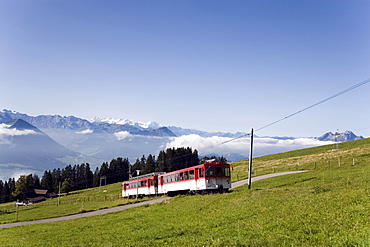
(254, 179)
(128, 206)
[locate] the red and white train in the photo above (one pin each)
(205, 178)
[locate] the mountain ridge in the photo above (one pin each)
(94, 143)
(80, 124)
(23, 147)
(339, 137)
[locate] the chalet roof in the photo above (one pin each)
(37, 199)
(36, 195)
(41, 191)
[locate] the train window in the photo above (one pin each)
(186, 175)
(177, 177)
(201, 173)
(226, 171)
(181, 176)
(191, 172)
(210, 172)
(169, 179)
(165, 179)
(173, 177)
(218, 171)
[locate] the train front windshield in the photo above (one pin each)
(218, 172)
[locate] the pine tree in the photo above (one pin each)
(2, 196)
(161, 162)
(47, 180)
(23, 183)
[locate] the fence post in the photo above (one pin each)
(353, 162)
(314, 166)
(338, 161)
(329, 163)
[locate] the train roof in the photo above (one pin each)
(147, 175)
(211, 163)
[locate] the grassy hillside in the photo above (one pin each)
(327, 206)
(316, 158)
(76, 202)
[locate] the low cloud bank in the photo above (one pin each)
(225, 145)
(6, 132)
(122, 135)
(15, 173)
(84, 132)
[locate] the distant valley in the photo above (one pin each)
(32, 144)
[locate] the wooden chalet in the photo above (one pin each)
(35, 196)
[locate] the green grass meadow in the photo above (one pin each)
(327, 206)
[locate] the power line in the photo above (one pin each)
(291, 115)
(316, 104)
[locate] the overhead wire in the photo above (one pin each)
(295, 113)
(316, 104)
(289, 116)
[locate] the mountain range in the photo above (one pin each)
(33, 144)
(340, 137)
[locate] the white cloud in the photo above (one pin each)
(122, 135)
(208, 144)
(225, 145)
(87, 131)
(15, 173)
(6, 132)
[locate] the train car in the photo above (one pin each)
(204, 178)
(143, 185)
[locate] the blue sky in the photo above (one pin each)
(210, 65)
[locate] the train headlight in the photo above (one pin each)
(228, 181)
(208, 181)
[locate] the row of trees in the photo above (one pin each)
(6, 190)
(81, 177)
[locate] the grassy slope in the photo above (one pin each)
(76, 202)
(328, 206)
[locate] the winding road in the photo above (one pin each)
(128, 206)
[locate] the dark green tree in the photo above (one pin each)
(2, 196)
(96, 178)
(47, 180)
(160, 165)
(24, 183)
(36, 182)
(67, 186)
(149, 166)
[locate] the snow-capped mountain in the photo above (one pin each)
(46, 122)
(339, 137)
(26, 149)
(178, 131)
(137, 124)
(101, 140)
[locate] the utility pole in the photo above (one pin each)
(105, 180)
(59, 193)
(336, 140)
(250, 161)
